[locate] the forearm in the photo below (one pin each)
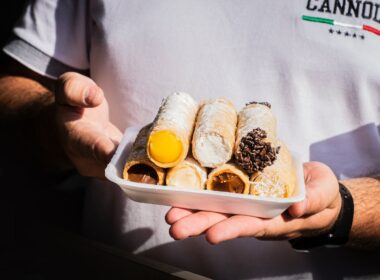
(27, 122)
(22, 98)
(365, 232)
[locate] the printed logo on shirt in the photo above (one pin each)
(358, 9)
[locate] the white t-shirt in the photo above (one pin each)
(322, 79)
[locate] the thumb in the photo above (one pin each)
(76, 90)
(322, 190)
(90, 150)
(297, 210)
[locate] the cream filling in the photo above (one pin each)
(186, 178)
(212, 150)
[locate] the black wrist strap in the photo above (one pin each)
(338, 235)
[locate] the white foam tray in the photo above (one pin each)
(223, 202)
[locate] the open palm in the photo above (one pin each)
(317, 213)
(87, 135)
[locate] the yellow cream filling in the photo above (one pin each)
(164, 146)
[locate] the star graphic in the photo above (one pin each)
(362, 36)
(339, 32)
(354, 35)
(331, 30)
(346, 34)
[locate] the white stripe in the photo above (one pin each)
(28, 65)
(347, 25)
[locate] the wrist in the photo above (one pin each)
(337, 235)
(338, 208)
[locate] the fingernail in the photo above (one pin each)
(90, 96)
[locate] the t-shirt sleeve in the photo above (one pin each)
(52, 37)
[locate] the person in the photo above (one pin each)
(113, 62)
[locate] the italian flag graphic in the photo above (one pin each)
(343, 24)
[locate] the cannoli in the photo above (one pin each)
(277, 180)
(188, 173)
(214, 133)
(170, 136)
(138, 168)
(256, 138)
(228, 178)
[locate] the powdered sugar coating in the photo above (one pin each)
(256, 116)
(214, 134)
(177, 114)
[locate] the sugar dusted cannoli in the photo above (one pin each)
(277, 180)
(170, 136)
(214, 133)
(228, 178)
(188, 174)
(256, 138)
(138, 168)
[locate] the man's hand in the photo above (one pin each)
(316, 214)
(87, 136)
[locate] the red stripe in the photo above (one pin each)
(371, 29)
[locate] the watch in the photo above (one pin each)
(338, 235)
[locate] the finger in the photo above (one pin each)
(104, 148)
(76, 90)
(115, 135)
(278, 228)
(321, 190)
(90, 168)
(195, 224)
(175, 214)
(297, 210)
(92, 160)
(91, 142)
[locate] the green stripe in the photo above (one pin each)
(317, 19)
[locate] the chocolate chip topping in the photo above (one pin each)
(142, 173)
(261, 103)
(254, 154)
